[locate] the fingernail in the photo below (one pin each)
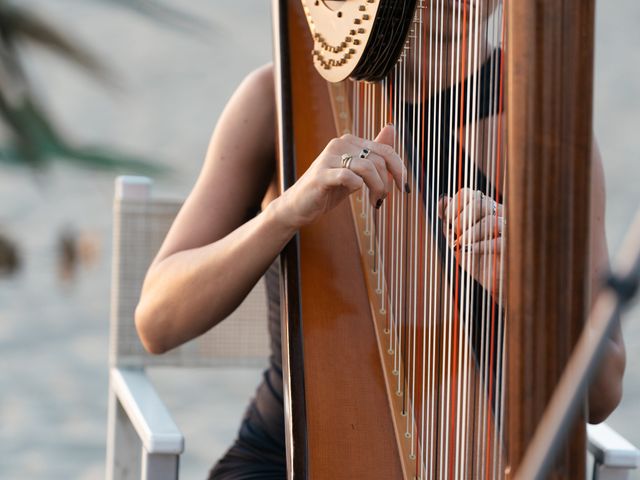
(406, 188)
(379, 204)
(390, 124)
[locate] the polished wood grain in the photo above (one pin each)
(550, 84)
(291, 328)
(349, 431)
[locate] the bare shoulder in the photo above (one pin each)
(247, 125)
(252, 106)
(237, 169)
(262, 79)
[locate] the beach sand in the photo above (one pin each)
(54, 336)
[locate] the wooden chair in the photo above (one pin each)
(143, 440)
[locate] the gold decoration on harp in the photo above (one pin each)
(346, 32)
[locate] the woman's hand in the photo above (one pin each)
(332, 177)
(474, 224)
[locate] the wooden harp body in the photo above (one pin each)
(355, 406)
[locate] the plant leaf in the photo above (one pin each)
(37, 144)
(18, 25)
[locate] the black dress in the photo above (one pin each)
(259, 451)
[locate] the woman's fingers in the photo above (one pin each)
(345, 165)
(382, 147)
(442, 205)
(343, 177)
(372, 160)
(381, 167)
(484, 247)
(365, 168)
(452, 205)
(387, 135)
(488, 227)
(467, 208)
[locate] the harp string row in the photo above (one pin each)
(444, 318)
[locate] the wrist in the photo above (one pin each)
(280, 215)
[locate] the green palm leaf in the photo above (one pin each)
(18, 25)
(37, 143)
(34, 139)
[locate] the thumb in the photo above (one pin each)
(387, 135)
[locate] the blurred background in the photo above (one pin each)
(171, 77)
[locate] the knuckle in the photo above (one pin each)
(333, 143)
(318, 180)
(343, 175)
(387, 150)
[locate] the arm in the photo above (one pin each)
(606, 389)
(212, 256)
(210, 260)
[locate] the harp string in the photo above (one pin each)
(479, 131)
(411, 207)
(470, 141)
(395, 217)
(435, 321)
(483, 436)
(396, 248)
(483, 453)
(403, 257)
(415, 222)
(467, 207)
(434, 115)
(485, 367)
(425, 180)
(451, 299)
(501, 175)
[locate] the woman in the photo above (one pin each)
(219, 246)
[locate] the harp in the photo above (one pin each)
(405, 356)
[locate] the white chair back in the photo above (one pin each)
(140, 225)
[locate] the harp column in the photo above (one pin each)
(549, 118)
